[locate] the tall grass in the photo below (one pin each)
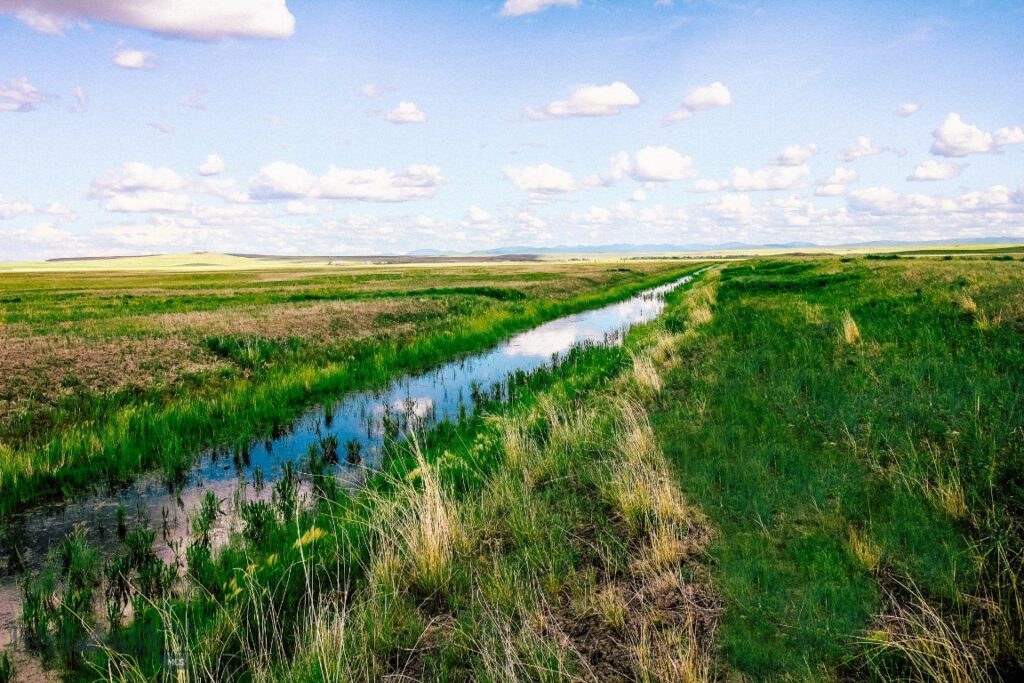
(481, 555)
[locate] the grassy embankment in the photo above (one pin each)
(545, 542)
(853, 430)
(361, 328)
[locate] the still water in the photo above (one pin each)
(445, 393)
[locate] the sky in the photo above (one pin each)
(362, 127)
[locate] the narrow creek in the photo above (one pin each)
(364, 418)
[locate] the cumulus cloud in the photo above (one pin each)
(589, 100)
(16, 209)
(955, 138)
(139, 187)
(653, 164)
(135, 176)
(771, 177)
(993, 202)
(795, 155)
(284, 180)
(908, 108)
(406, 112)
(835, 184)
(862, 147)
(701, 98)
(477, 215)
(543, 179)
(212, 165)
(21, 96)
(134, 59)
(930, 169)
(515, 8)
(194, 19)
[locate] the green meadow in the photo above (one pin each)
(808, 468)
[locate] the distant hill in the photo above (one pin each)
(723, 246)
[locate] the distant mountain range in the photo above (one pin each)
(724, 246)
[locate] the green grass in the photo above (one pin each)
(446, 567)
(829, 488)
(838, 462)
(111, 438)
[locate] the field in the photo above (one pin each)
(110, 372)
(807, 468)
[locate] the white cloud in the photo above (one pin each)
(135, 176)
(143, 202)
(930, 169)
(955, 138)
(705, 97)
(589, 100)
(651, 164)
(134, 59)
(908, 108)
(44, 233)
(993, 203)
(862, 147)
(372, 91)
(13, 209)
(542, 179)
(735, 208)
(406, 112)
(21, 96)
(299, 208)
(79, 102)
(16, 209)
(382, 185)
(515, 8)
(139, 187)
(212, 165)
(195, 19)
(283, 180)
(768, 177)
(477, 215)
(795, 155)
(163, 127)
(638, 196)
(835, 184)
(660, 164)
(701, 98)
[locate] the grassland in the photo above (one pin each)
(806, 469)
(111, 372)
(853, 430)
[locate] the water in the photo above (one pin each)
(445, 393)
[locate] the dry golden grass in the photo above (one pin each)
(866, 551)
(926, 640)
(850, 334)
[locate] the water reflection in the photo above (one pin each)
(363, 418)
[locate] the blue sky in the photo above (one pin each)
(363, 127)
